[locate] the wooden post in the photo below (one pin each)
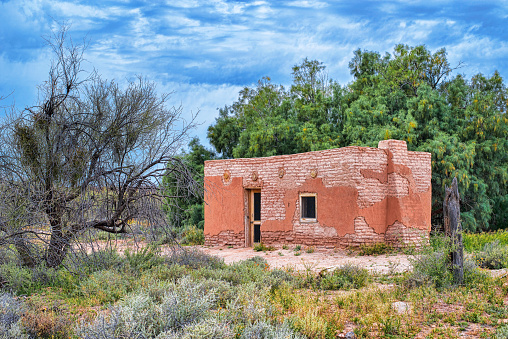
(453, 229)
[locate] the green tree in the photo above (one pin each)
(183, 207)
(269, 120)
(410, 95)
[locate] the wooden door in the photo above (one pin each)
(255, 216)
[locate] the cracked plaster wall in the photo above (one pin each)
(364, 195)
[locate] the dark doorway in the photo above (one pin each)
(254, 216)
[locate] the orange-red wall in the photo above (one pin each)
(363, 195)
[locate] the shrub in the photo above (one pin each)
(104, 286)
(473, 275)
(345, 277)
(11, 310)
(502, 332)
(16, 278)
(185, 303)
(208, 328)
(8, 255)
(262, 330)
(84, 263)
(262, 247)
(432, 266)
(142, 260)
(376, 249)
(494, 255)
(277, 277)
(44, 319)
(476, 241)
(148, 313)
(251, 270)
(132, 318)
(193, 258)
(191, 235)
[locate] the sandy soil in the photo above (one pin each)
(320, 259)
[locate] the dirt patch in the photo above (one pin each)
(318, 260)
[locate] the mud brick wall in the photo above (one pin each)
(364, 195)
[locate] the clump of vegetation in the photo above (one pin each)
(376, 249)
(476, 241)
(262, 247)
(432, 266)
(263, 329)
(493, 255)
(193, 258)
(345, 277)
(11, 312)
(502, 332)
(148, 313)
(192, 235)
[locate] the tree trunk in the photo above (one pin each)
(57, 249)
(59, 242)
(453, 229)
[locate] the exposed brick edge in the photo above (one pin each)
(397, 235)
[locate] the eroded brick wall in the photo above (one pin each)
(364, 195)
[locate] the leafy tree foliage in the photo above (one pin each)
(410, 95)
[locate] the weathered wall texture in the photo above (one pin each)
(364, 195)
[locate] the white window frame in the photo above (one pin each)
(302, 195)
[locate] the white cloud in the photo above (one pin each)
(202, 98)
(183, 3)
(69, 9)
(307, 4)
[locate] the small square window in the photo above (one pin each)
(308, 207)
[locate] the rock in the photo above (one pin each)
(401, 307)
(501, 273)
(350, 335)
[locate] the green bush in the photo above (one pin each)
(142, 260)
(17, 279)
(193, 258)
(262, 247)
(432, 266)
(494, 255)
(84, 263)
(192, 235)
(208, 328)
(162, 308)
(262, 330)
(345, 277)
(105, 286)
(8, 255)
(476, 241)
(11, 311)
(376, 249)
(502, 332)
(246, 271)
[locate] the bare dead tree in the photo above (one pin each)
(88, 156)
(453, 229)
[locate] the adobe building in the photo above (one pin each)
(334, 198)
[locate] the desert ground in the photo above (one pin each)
(318, 260)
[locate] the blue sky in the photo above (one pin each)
(206, 51)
